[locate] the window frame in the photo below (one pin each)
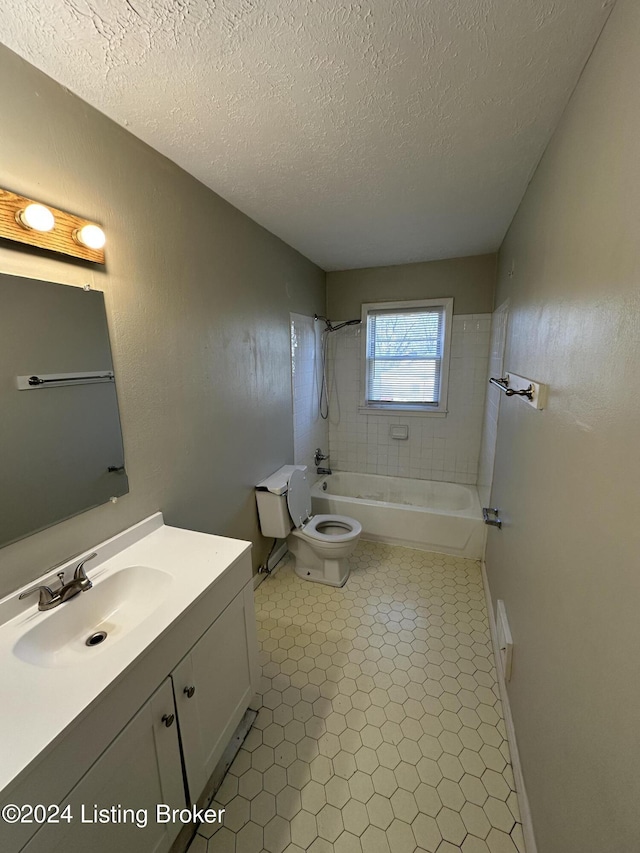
(439, 410)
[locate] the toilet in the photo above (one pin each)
(320, 544)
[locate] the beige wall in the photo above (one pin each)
(567, 561)
(198, 299)
(470, 281)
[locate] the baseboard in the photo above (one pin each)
(277, 556)
(189, 832)
(273, 564)
(521, 791)
(225, 762)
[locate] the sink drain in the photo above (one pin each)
(97, 638)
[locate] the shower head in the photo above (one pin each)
(342, 325)
(329, 327)
(323, 400)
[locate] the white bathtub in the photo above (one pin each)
(424, 514)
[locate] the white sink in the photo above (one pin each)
(116, 605)
(145, 579)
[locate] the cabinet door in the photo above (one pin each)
(213, 687)
(140, 769)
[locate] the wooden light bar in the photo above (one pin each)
(61, 237)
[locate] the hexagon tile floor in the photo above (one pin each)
(380, 729)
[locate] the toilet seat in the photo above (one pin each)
(299, 504)
(352, 528)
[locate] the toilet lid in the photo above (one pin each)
(299, 498)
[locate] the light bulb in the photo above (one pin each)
(90, 236)
(37, 217)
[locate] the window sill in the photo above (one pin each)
(395, 411)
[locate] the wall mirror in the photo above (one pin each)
(61, 449)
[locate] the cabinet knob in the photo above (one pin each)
(168, 720)
(189, 691)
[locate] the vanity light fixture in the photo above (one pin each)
(91, 236)
(37, 217)
(26, 220)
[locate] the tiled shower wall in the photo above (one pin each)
(309, 429)
(438, 448)
(497, 341)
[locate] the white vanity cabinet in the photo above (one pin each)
(140, 769)
(213, 686)
(133, 737)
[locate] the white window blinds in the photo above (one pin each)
(404, 352)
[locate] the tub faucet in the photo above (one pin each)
(319, 457)
(324, 470)
(50, 598)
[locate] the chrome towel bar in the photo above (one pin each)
(54, 380)
(503, 385)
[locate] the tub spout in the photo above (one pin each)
(323, 471)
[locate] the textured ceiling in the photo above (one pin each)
(362, 133)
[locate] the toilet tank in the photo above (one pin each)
(273, 514)
(271, 497)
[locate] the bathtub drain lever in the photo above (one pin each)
(495, 521)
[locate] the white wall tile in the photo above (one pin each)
(437, 448)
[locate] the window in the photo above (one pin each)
(406, 354)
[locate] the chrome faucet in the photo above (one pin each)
(50, 598)
(319, 457)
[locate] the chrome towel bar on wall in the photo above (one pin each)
(512, 385)
(54, 380)
(503, 385)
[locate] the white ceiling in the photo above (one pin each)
(362, 133)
